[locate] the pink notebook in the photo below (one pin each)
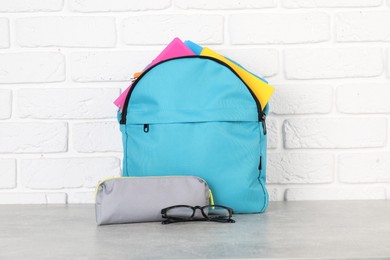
(174, 49)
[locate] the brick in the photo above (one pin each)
(4, 33)
(301, 99)
(339, 193)
(7, 173)
(286, 168)
(97, 137)
(335, 132)
(363, 98)
(76, 103)
(279, 28)
(81, 197)
(32, 198)
(117, 5)
(33, 137)
(224, 4)
(67, 172)
(66, 31)
(108, 66)
(363, 26)
(333, 63)
(330, 3)
(275, 194)
(160, 29)
(263, 62)
(364, 167)
(56, 198)
(5, 103)
(31, 67)
(388, 63)
(30, 6)
(272, 133)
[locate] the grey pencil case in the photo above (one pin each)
(140, 199)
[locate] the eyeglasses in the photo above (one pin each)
(181, 213)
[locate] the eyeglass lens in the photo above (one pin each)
(216, 212)
(180, 212)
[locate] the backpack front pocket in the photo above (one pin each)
(225, 154)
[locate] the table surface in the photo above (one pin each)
(288, 230)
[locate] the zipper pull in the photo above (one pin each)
(262, 119)
(146, 128)
(260, 163)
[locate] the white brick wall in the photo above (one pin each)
(81, 197)
(4, 33)
(224, 4)
(363, 26)
(5, 103)
(117, 5)
(335, 132)
(30, 67)
(66, 31)
(33, 137)
(272, 132)
(341, 193)
(32, 198)
(30, 6)
(319, 63)
(364, 168)
(107, 66)
(62, 103)
(300, 168)
(330, 3)
(161, 29)
(388, 63)
(363, 98)
(63, 62)
(67, 172)
(7, 173)
(97, 137)
(302, 99)
(280, 28)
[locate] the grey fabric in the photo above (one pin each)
(140, 199)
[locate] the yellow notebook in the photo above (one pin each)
(262, 90)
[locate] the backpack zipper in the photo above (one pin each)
(262, 120)
(260, 163)
(261, 114)
(146, 128)
(101, 182)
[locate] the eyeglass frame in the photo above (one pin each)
(171, 219)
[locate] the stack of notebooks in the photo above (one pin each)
(177, 48)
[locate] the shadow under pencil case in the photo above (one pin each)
(140, 199)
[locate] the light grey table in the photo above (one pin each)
(293, 230)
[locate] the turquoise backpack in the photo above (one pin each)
(193, 115)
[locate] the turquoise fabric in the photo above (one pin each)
(200, 120)
(195, 48)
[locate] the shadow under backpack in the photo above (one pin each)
(195, 116)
